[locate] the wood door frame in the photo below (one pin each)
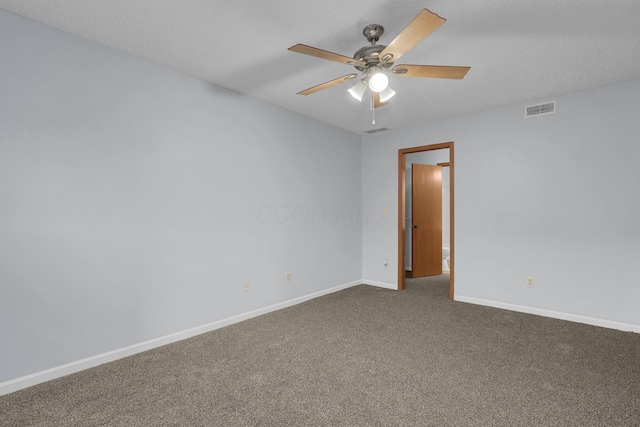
(402, 176)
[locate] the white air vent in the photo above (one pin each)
(376, 130)
(540, 109)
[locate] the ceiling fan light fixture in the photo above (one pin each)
(375, 61)
(358, 90)
(378, 81)
(387, 94)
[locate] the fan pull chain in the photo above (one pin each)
(373, 112)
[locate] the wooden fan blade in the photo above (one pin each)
(328, 84)
(422, 25)
(434, 71)
(319, 53)
(376, 100)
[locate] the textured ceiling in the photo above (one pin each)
(518, 51)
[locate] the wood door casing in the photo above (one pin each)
(426, 217)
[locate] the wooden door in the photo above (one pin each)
(426, 218)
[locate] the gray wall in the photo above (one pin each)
(554, 197)
(134, 201)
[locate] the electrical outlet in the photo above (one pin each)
(386, 212)
(530, 281)
(287, 277)
(245, 286)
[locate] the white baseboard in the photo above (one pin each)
(90, 362)
(380, 284)
(553, 314)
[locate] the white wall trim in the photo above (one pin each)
(380, 284)
(90, 362)
(553, 314)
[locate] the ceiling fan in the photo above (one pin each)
(375, 60)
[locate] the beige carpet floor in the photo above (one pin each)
(363, 356)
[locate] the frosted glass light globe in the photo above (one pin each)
(378, 82)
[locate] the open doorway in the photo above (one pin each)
(448, 167)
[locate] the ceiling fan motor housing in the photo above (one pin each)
(370, 55)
